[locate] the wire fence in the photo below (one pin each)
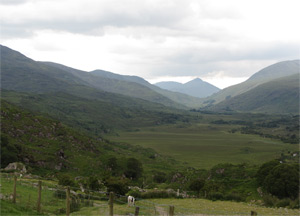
(46, 197)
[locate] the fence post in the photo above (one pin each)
(15, 189)
(111, 203)
(39, 197)
(68, 201)
(171, 211)
(137, 210)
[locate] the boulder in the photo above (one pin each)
(17, 166)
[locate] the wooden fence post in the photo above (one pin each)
(15, 190)
(171, 211)
(39, 197)
(137, 210)
(111, 203)
(68, 201)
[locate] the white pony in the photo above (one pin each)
(131, 200)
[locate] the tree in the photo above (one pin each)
(117, 185)
(197, 185)
(264, 171)
(134, 169)
(283, 181)
(93, 183)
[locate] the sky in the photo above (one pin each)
(221, 42)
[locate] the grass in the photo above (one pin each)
(188, 206)
(204, 145)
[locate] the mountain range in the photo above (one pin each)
(197, 88)
(123, 96)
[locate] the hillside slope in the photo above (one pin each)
(47, 146)
(184, 99)
(196, 88)
(267, 74)
(119, 86)
(276, 96)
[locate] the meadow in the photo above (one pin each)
(205, 145)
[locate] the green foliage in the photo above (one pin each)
(158, 194)
(283, 181)
(159, 177)
(117, 185)
(134, 169)
(65, 180)
(93, 183)
(9, 152)
(264, 170)
(197, 185)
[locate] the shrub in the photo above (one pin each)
(216, 196)
(283, 203)
(270, 200)
(234, 197)
(118, 186)
(135, 193)
(283, 181)
(65, 180)
(158, 194)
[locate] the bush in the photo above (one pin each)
(283, 181)
(135, 193)
(66, 180)
(234, 197)
(283, 203)
(270, 200)
(118, 186)
(158, 194)
(216, 196)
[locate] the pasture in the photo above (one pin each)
(205, 145)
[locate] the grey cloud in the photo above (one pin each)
(87, 24)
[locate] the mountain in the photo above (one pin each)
(72, 99)
(278, 70)
(277, 96)
(124, 87)
(196, 88)
(180, 98)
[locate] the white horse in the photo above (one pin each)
(131, 201)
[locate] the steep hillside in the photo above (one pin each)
(119, 86)
(23, 74)
(47, 146)
(276, 96)
(196, 88)
(267, 74)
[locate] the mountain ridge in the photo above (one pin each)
(196, 87)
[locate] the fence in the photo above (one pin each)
(46, 197)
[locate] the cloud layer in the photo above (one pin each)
(154, 38)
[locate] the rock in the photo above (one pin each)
(16, 166)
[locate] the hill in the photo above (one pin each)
(47, 146)
(118, 86)
(276, 96)
(267, 74)
(196, 88)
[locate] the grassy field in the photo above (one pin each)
(204, 145)
(53, 205)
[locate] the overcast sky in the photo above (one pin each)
(220, 41)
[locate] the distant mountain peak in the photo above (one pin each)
(196, 87)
